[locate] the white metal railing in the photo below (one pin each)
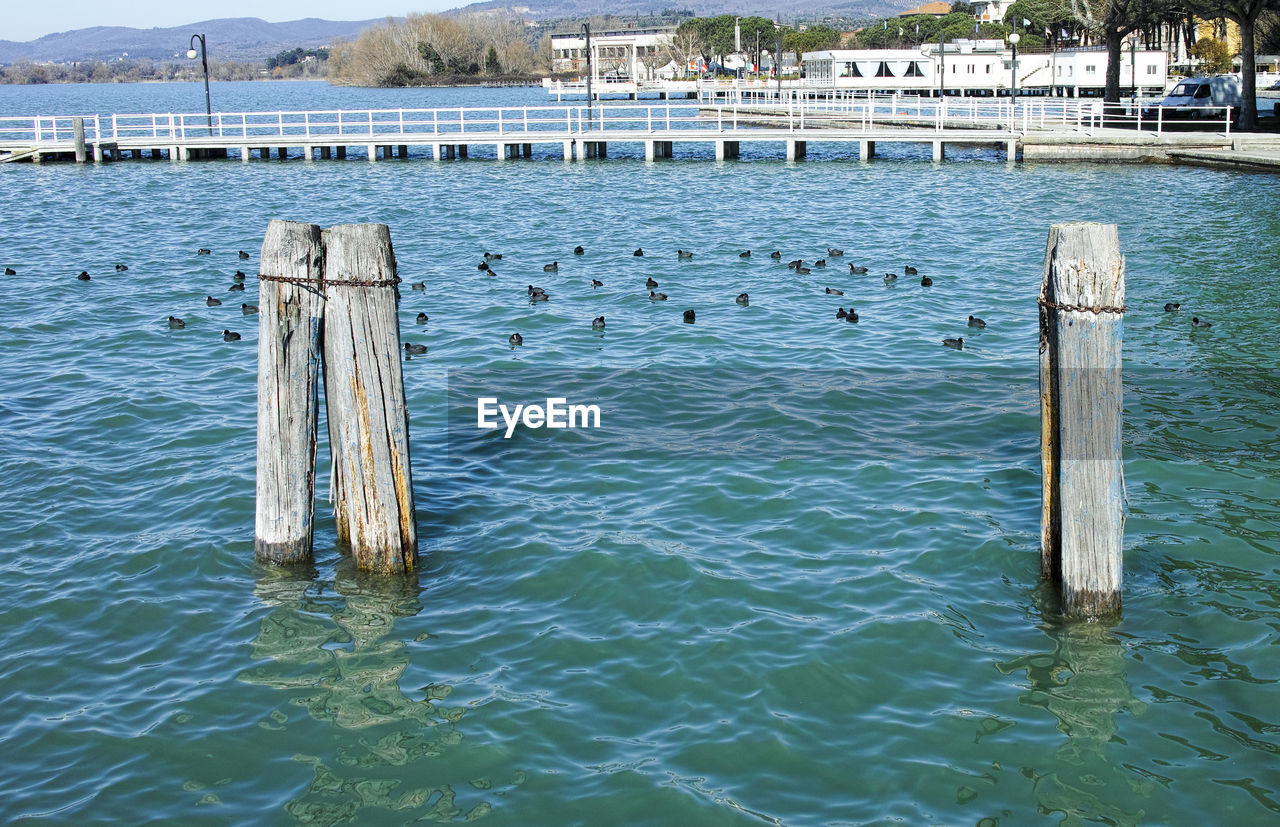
(45, 129)
(793, 113)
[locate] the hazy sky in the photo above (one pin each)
(27, 21)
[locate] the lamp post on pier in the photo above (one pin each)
(586, 27)
(204, 62)
(1013, 41)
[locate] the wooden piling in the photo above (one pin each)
(372, 488)
(77, 127)
(289, 350)
(1082, 494)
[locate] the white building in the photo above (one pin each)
(990, 11)
(983, 67)
(621, 54)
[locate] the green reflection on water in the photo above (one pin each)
(331, 647)
(1083, 684)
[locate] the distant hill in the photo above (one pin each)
(249, 38)
(544, 10)
(238, 38)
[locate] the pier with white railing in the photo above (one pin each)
(578, 131)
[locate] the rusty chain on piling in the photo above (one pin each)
(335, 282)
(1080, 308)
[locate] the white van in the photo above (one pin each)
(1202, 98)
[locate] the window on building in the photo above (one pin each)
(883, 70)
(1090, 68)
(1152, 69)
(914, 70)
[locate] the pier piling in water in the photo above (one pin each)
(329, 298)
(289, 334)
(77, 128)
(1082, 494)
(372, 488)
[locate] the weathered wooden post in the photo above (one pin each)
(1082, 495)
(289, 338)
(372, 488)
(77, 130)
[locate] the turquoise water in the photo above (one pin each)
(796, 583)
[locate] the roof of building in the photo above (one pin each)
(937, 9)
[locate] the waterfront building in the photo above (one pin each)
(624, 55)
(984, 67)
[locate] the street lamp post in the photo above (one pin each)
(204, 61)
(1013, 40)
(586, 27)
(777, 64)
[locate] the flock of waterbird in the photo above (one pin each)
(539, 294)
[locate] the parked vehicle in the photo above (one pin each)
(1200, 98)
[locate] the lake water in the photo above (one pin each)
(794, 582)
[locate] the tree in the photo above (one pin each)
(684, 46)
(1246, 14)
(1215, 55)
(1112, 20)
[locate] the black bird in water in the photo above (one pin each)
(248, 309)
(974, 321)
(482, 266)
(1171, 307)
(230, 336)
(822, 262)
(794, 264)
(176, 324)
(689, 317)
(414, 350)
(210, 301)
(84, 275)
(553, 267)
(120, 268)
(597, 323)
(650, 283)
(203, 251)
(639, 252)
(421, 319)
(745, 254)
(841, 314)
(834, 292)
(1196, 321)
(804, 271)
(743, 299)
(9, 271)
(657, 297)
(577, 251)
(683, 255)
(856, 270)
(834, 253)
(238, 287)
(776, 254)
(493, 256)
(957, 343)
(596, 283)
(239, 276)
(925, 281)
(910, 271)
(534, 291)
(515, 339)
(851, 317)
(244, 256)
(888, 277)
(418, 285)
